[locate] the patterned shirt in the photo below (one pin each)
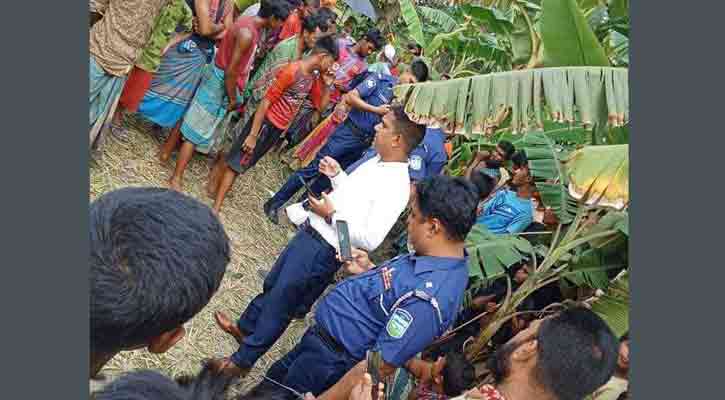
(490, 393)
(175, 14)
(289, 90)
(117, 39)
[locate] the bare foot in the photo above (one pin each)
(225, 324)
(175, 184)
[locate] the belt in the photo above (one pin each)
(330, 341)
(307, 227)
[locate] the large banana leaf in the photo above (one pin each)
(469, 105)
(600, 174)
(438, 17)
(520, 39)
(410, 16)
(619, 8)
(567, 36)
(613, 306)
(491, 19)
(490, 255)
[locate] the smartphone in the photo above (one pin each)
(343, 235)
(307, 187)
(375, 361)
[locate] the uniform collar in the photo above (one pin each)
(430, 263)
(376, 159)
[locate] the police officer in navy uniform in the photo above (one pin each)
(369, 102)
(397, 308)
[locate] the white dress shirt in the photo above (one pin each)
(370, 200)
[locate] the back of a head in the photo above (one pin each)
(483, 182)
(508, 148)
(142, 385)
(156, 258)
(311, 22)
(577, 353)
(419, 69)
(519, 159)
(411, 132)
(327, 44)
(459, 374)
(452, 201)
(275, 8)
(151, 385)
(326, 18)
(375, 37)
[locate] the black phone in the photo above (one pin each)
(343, 236)
(374, 362)
(307, 187)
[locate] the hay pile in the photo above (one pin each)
(255, 243)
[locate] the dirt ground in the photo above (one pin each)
(255, 243)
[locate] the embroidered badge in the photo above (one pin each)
(371, 83)
(429, 285)
(416, 162)
(399, 323)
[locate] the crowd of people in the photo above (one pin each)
(236, 80)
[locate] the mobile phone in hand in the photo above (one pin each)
(308, 188)
(374, 361)
(343, 236)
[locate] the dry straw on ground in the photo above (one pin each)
(255, 243)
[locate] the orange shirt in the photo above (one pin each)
(288, 91)
(292, 26)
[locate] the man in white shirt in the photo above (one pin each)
(370, 200)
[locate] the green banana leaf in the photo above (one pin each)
(491, 18)
(568, 38)
(469, 105)
(613, 306)
(618, 220)
(520, 39)
(410, 16)
(619, 8)
(600, 175)
(438, 17)
(490, 255)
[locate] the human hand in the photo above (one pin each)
(382, 110)
(322, 207)
(329, 167)
(550, 217)
(491, 307)
(249, 144)
(364, 389)
(359, 264)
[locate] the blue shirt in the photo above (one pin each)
(398, 308)
(376, 89)
(428, 159)
(506, 213)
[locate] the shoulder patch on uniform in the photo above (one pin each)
(370, 83)
(416, 162)
(399, 323)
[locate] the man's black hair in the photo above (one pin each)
(519, 159)
(577, 353)
(326, 18)
(151, 385)
(419, 69)
(508, 149)
(156, 258)
(452, 201)
(327, 44)
(312, 3)
(280, 9)
(625, 337)
(411, 132)
(375, 37)
(459, 374)
(311, 22)
(483, 182)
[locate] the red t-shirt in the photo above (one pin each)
(226, 49)
(288, 91)
(292, 26)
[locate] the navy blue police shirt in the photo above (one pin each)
(398, 308)
(427, 159)
(376, 89)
